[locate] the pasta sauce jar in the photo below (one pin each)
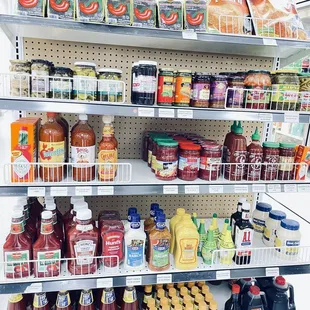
(189, 160)
(210, 160)
(218, 91)
(287, 159)
(183, 86)
(271, 155)
(201, 90)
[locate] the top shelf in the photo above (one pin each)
(287, 50)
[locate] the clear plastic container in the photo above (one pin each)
(272, 224)
(260, 215)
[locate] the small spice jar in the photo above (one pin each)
(304, 91)
(287, 159)
(200, 90)
(210, 160)
(165, 88)
(271, 226)
(20, 78)
(183, 86)
(167, 160)
(260, 216)
(235, 92)
(61, 83)
(40, 85)
(218, 91)
(189, 160)
(110, 88)
(270, 163)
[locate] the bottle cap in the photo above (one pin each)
(158, 212)
(107, 119)
(154, 206)
(160, 293)
(84, 215)
(226, 221)
(198, 298)
(235, 289)
(131, 210)
(208, 297)
(277, 215)
(148, 288)
(189, 306)
(51, 114)
(183, 291)
(264, 207)
(164, 301)
(242, 200)
(234, 126)
(175, 300)
(228, 228)
(290, 224)
(213, 305)
(80, 205)
(75, 199)
(17, 214)
(254, 290)
(151, 302)
(161, 218)
(83, 117)
(180, 284)
(187, 299)
(246, 206)
(46, 215)
(194, 290)
(273, 145)
(205, 289)
(180, 211)
(194, 214)
(158, 286)
(280, 281)
(214, 215)
(256, 136)
(202, 306)
(51, 206)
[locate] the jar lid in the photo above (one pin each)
(85, 64)
(277, 215)
(290, 224)
(110, 70)
(264, 207)
(42, 61)
(259, 71)
(304, 74)
(170, 143)
(184, 71)
(285, 71)
(166, 69)
(20, 61)
(147, 63)
(219, 77)
(212, 146)
(287, 145)
(274, 145)
(203, 73)
(235, 78)
(190, 147)
(63, 70)
(226, 73)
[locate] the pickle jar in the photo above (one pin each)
(110, 87)
(20, 78)
(61, 83)
(40, 71)
(304, 91)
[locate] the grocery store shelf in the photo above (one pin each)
(116, 109)
(34, 27)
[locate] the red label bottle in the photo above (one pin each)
(130, 301)
(108, 299)
(16, 302)
(86, 301)
(30, 222)
(40, 302)
(63, 301)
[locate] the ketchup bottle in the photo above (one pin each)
(40, 302)
(30, 222)
(130, 301)
(16, 302)
(108, 299)
(35, 207)
(63, 301)
(86, 300)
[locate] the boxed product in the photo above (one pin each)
(144, 13)
(302, 156)
(170, 14)
(119, 12)
(30, 7)
(276, 18)
(229, 16)
(61, 9)
(90, 10)
(196, 15)
(24, 149)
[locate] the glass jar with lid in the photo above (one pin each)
(218, 91)
(235, 92)
(156, 140)
(200, 90)
(40, 71)
(165, 88)
(61, 83)
(20, 78)
(189, 160)
(210, 160)
(287, 168)
(183, 86)
(110, 88)
(270, 163)
(85, 81)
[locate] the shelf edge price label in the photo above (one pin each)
(303, 188)
(164, 278)
(34, 288)
(133, 281)
(191, 189)
(259, 188)
(36, 192)
(291, 117)
(146, 112)
(272, 272)
(216, 189)
(170, 189)
(83, 191)
(223, 274)
(270, 42)
(185, 113)
(290, 188)
(189, 35)
(104, 282)
(166, 113)
(240, 189)
(265, 117)
(274, 188)
(59, 191)
(105, 190)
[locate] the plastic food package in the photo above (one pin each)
(61, 9)
(90, 11)
(30, 7)
(119, 12)
(196, 15)
(302, 156)
(170, 14)
(276, 18)
(144, 13)
(227, 16)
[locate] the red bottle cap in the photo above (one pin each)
(247, 279)
(235, 289)
(280, 281)
(51, 114)
(24, 128)
(254, 290)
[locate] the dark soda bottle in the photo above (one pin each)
(147, 296)
(130, 301)
(16, 302)
(233, 302)
(108, 299)
(86, 301)
(63, 301)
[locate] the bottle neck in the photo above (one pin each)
(47, 227)
(63, 300)
(245, 215)
(239, 207)
(86, 298)
(130, 295)
(108, 131)
(26, 212)
(40, 300)
(83, 222)
(108, 296)
(17, 226)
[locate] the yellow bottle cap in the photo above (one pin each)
(164, 301)
(180, 211)
(183, 291)
(165, 307)
(180, 284)
(213, 305)
(194, 214)
(175, 301)
(205, 289)
(187, 299)
(151, 302)
(186, 216)
(200, 284)
(208, 298)
(148, 288)
(194, 290)
(178, 307)
(202, 306)
(169, 286)
(198, 298)
(160, 293)
(189, 307)
(158, 286)
(172, 292)
(190, 284)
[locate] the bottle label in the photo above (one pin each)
(108, 297)
(112, 243)
(17, 261)
(201, 91)
(84, 228)
(108, 170)
(86, 298)
(52, 152)
(40, 82)
(47, 227)
(40, 300)
(130, 296)
(166, 169)
(286, 163)
(287, 93)
(188, 251)
(84, 252)
(13, 299)
(189, 163)
(61, 86)
(259, 225)
(160, 255)
(210, 164)
(165, 89)
(84, 85)
(218, 90)
(147, 84)
(235, 97)
(49, 262)
(109, 88)
(83, 155)
(146, 298)
(202, 239)
(135, 253)
(63, 300)
(243, 241)
(289, 247)
(17, 226)
(254, 170)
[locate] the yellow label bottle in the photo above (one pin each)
(226, 248)
(216, 231)
(175, 219)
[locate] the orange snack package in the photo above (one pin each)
(302, 156)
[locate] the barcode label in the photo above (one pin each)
(259, 188)
(105, 190)
(272, 272)
(223, 275)
(166, 113)
(104, 282)
(290, 188)
(170, 189)
(146, 112)
(274, 188)
(83, 191)
(216, 189)
(240, 189)
(185, 113)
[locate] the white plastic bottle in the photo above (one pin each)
(134, 245)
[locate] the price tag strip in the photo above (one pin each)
(274, 188)
(146, 112)
(59, 191)
(104, 282)
(291, 117)
(216, 189)
(265, 117)
(170, 189)
(105, 190)
(223, 275)
(191, 189)
(185, 113)
(34, 288)
(290, 188)
(164, 278)
(272, 272)
(166, 113)
(259, 188)
(36, 192)
(83, 191)
(133, 281)
(241, 189)
(303, 188)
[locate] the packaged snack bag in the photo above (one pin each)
(119, 12)
(30, 7)
(90, 10)
(61, 9)
(196, 15)
(170, 14)
(144, 13)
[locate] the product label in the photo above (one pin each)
(284, 93)
(84, 86)
(52, 152)
(112, 243)
(84, 252)
(40, 300)
(40, 83)
(108, 170)
(21, 158)
(257, 97)
(47, 227)
(135, 253)
(237, 169)
(149, 157)
(83, 155)
(61, 87)
(243, 241)
(110, 88)
(63, 300)
(86, 298)
(286, 163)
(60, 9)
(90, 12)
(189, 249)
(84, 228)
(304, 99)
(165, 89)
(147, 84)
(235, 98)
(108, 297)
(15, 298)
(166, 169)
(160, 255)
(254, 170)
(20, 84)
(201, 91)
(210, 163)
(218, 90)
(267, 234)
(49, 262)
(130, 296)
(17, 226)
(259, 225)
(189, 163)
(291, 247)
(183, 89)
(17, 262)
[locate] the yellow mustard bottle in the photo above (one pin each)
(186, 241)
(172, 224)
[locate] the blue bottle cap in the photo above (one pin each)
(264, 207)
(277, 215)
(161, 221)
(290, 224)
(135, 221)
(154, 207)
(132, 210)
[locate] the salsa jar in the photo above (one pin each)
(156, 140)
(200, 90)
(183, 86)
(285, 88)
(110, 87)
(166, 160)
(189, 161)
(20, 78)
(40, 72)
(286, 160)
(218, 91)
(210, 160)
(61, 83)
(165, 87)
(270, 163)
(257, 85)
(304, 91)
(235, 92)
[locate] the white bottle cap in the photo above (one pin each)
(84, 215)
(18, 207)
(75, 199)
(80, 205)
(83, 117)
(50, 206)
(246, 206)
(107, 119)
(22, 200)
(46, 215)
(17, 214)
(242, 200)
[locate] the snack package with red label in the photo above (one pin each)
(144, 13)
(61, 9)
(302, 157)
(196, 15)
(30, 7)
(90, 10)
(170, 14)
(119, 12)
(229, 16)
(277, 18)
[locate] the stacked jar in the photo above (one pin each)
(210, 160)
(287, 168)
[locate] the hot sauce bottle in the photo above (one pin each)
(108, 299)
(63, 301)
(30, 222)
(16, 302)
(86, 301)
(40, 302)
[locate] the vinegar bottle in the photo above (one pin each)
(16, 302)
(130, 301)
